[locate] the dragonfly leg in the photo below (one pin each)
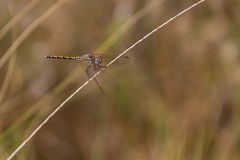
(95, 80)
(87, 71)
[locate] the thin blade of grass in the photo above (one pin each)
(11, 62)
(7, 77)
(128, 24)
(18, 17)
(29, 30)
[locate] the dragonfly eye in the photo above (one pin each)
(98, 60)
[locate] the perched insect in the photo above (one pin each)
(94, 61)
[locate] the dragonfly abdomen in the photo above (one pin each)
(63, 57)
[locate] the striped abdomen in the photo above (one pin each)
(77, 58)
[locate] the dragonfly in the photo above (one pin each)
(94, 62)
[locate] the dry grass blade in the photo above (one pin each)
(12, 61)
(7, 77)
(87, 82)
(128, 24)
(17, 18)
(26, 32)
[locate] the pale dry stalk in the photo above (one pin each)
(29, 30)
(17, 18)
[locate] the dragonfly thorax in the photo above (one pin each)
(92, 59)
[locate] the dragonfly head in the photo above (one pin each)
(98, 60)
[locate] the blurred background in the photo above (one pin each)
(177, 99)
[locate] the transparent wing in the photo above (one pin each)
(107, 58)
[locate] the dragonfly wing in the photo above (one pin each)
(107, 58)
